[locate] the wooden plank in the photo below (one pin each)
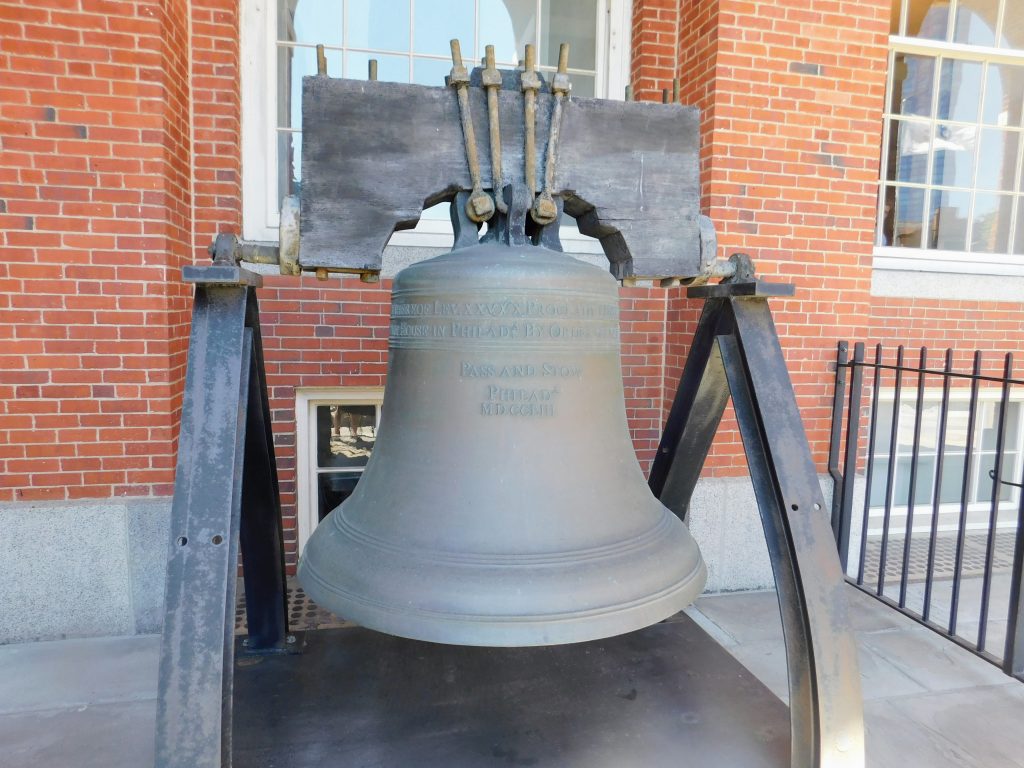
(375, 154)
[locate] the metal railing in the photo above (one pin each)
(928, 504)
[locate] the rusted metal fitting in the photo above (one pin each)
(288, 237)
(545, 210)
(530, 83)
(480, 206)
(321, 60)
(491, 79)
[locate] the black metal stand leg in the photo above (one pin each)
(825, 700)
(696, 413)
(225, 484)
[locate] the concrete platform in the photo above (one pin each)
(929, 704)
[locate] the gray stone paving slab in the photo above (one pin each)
(93, 736)
(68, 674)
(893, 741)
(983, 723)
(932, 662)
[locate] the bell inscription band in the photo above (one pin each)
(503, 504)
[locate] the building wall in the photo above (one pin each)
(120, 129)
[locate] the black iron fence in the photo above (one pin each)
(928, 507)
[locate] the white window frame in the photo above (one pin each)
(987, 396)
(922, 259)
(306, 470)
(258, 30)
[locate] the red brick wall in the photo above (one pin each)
(993, 327)
(791, 122)
(121, 160)
(95, 205)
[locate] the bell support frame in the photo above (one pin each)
(736, 352)
(225, 425)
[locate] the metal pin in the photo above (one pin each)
(544, 210)
(321, 273)
(530, 84)
(372, 69)
(491, 78)
(675, 90)
(664, 96)
(480, 206)
(629, 93)
(321, 60)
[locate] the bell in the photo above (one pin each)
(503, 504)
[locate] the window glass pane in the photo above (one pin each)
(1004, 91)
(293, 64)
(345, 434)
(879, 470)
(379, 24)
(1013, 411)
(953, 164)
(582, 85)
(317, 22)
(901, 482)
(913, 83)
(1018, 240)
(1012, 35)
(508, 26)
(997, 159)
(987, 417)
(975, 22)
(983, 483)
(907, 209)
(909, 160)
(882, 427)
(959, 90)
(991, 232)
(332, 489)
(952, 478)
(393, 69)
(956, 427)
(1011, 472)
(289, 163)
(573, 22)
(430, 71)
(435, 24)
(947, 220)
(927, 18)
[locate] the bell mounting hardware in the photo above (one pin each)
(503, 504)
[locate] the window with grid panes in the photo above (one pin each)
(952, 151)
(410, 41)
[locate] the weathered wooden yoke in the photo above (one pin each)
(375, 155)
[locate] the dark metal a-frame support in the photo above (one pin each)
(736, 351)
(226, 498)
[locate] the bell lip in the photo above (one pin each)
(505, 631)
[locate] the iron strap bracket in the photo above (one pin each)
(736, 352)
(226, 499)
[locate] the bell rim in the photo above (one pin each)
(644, 539)
(510, 631)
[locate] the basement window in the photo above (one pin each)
(335, 433)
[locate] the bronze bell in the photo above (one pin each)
(503, 504)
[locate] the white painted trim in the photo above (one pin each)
(306, 400)
(257, 59)
(922, 260)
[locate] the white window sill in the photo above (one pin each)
(911, 273)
